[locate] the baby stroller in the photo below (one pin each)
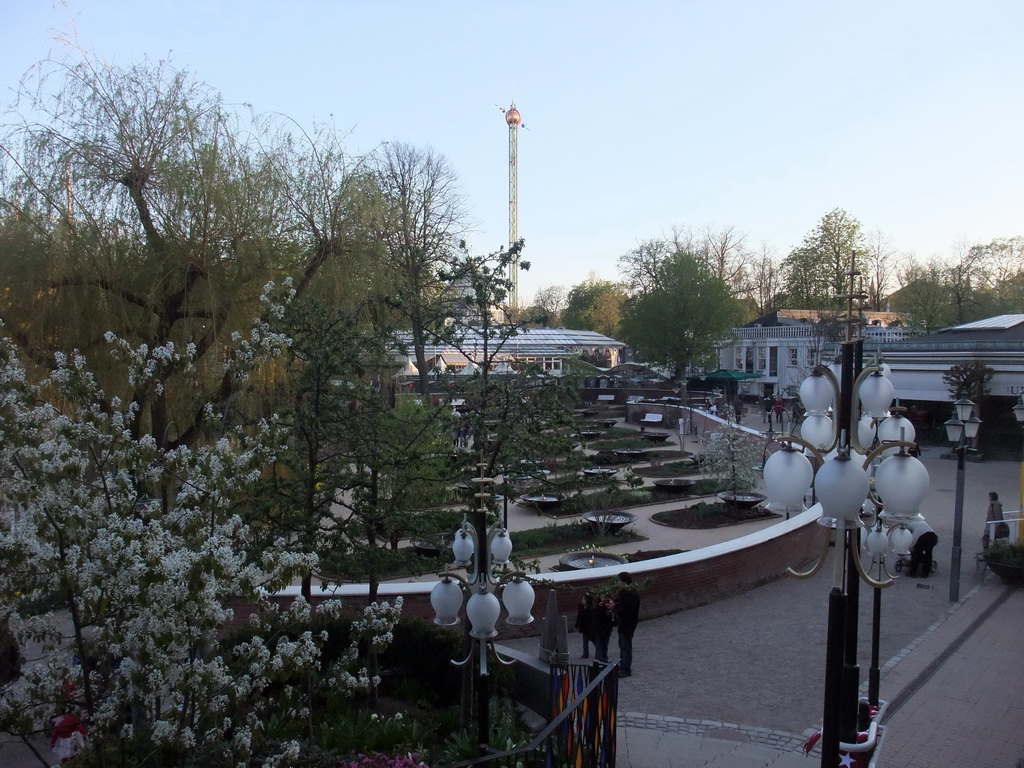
(903, 559)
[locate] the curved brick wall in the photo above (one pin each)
(672, 583)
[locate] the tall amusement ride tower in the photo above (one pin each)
(513, 119)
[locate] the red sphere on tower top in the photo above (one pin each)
(512, 117)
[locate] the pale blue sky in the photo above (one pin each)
(641, 116)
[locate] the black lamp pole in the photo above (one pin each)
(958, 519)
(484, 680)
(851, 669)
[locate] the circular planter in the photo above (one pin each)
(583, 560)
(612, 522)
(631, 454)
(675, 485)
(599, 471)
(655, 437)
(609, 423)
(590, 434)
(744, 500)
(542, 501)
(432, 546)
(1012, 575)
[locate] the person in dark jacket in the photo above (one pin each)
(586, 623)
(602, 629)
(627, 615)
(921, 547)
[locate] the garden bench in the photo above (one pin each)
(652, 418)
(606, 398)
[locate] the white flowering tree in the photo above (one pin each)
(120, 558)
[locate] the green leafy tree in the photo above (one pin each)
(816, 272)
(683, 320)
(924, 296)
(595, 305)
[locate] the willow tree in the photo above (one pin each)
(135, 202)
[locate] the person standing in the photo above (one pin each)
(994, 514)
(68, 736)
(627, 615)
(777, 411)
(586, 623)
(921, 547)
(602, 629)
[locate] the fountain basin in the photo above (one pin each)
(584, 560)
(741, 500)
(542, 501)
(631, 454)
(674, 484)
(610, 522)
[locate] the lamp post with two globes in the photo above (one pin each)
(1018, 414)
(960, 430)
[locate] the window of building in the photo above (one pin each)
(793, 356)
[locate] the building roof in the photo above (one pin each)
(1006, 329)
(528, 342)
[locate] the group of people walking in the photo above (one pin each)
(597, 616)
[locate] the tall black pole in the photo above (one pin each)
(873, 673)
(484, 682)
(853, 353)
(958, 519)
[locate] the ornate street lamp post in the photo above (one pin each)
(843, 489)
(484, 550)
(960, 430)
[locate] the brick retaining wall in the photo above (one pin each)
(671, 584)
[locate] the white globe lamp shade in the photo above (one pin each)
(876, 543)
(816, 392)
(897, 427)
(446, 599)
(463, 547)
(901, 482)
(901, 539)
(501, 547)
(841, 486)
(876, 394)
(886, 370)
(518, 597)
(817, 429)
(787, 476)
(866, 430)
(482, 610)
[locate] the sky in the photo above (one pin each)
(639, 117)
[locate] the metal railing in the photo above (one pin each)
(582, 732)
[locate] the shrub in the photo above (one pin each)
(1005, 553)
